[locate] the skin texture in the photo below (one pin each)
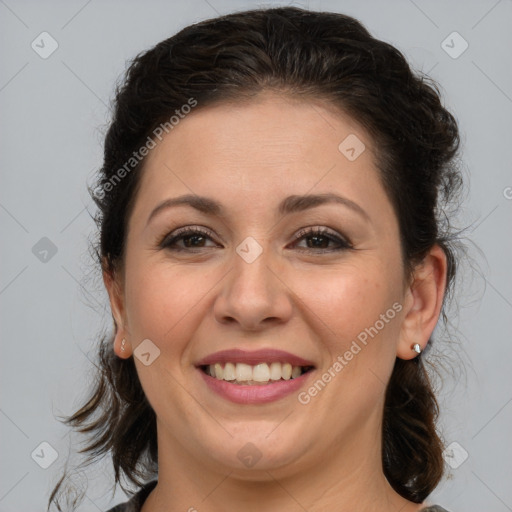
(325, 455)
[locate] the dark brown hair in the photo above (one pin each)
(305, 54)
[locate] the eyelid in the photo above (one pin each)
(323, 231)
(183, 231)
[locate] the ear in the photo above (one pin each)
(114, 286)
(423, 302)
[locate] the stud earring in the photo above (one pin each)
(122, 345)
(416, 347)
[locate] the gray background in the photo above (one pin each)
(54, 111)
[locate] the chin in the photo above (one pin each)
(256, 450)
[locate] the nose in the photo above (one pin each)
(254, 295)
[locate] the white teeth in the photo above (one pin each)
(229, 371)
(243, 372)
(296, 371)
(219, 372)
(257, 374)
(275, 371)
(286, 371)
(261, 373)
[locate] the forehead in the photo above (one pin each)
(255, 152)
(272, 127)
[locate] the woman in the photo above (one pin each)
(272, 244)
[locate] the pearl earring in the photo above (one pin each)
(122, 345)
(416, 347)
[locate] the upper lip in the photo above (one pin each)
(253, 357)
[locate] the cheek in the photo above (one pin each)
(349, 300)
(347, 306)
(159, 299)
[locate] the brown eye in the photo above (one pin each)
(318, 240)
(192, 238)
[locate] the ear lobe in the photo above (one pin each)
(122, 347)
(424, 302)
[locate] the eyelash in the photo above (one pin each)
(169, 241)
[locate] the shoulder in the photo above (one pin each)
(134, 504)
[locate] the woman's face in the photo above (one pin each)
(320, 281)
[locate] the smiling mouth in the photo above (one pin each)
(254, 375)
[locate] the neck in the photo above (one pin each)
(343, 481)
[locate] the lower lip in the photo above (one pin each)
(255, 394)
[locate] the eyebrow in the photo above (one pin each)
(290, 204)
